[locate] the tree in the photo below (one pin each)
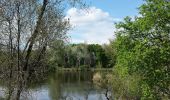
(28, 29)
(99, 54)
(82, 55)
(110, 52)
(143, 47)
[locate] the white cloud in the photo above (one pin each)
(92, 25)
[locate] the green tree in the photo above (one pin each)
(110, 52)
(99, 53)
(143, 47)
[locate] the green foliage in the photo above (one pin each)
(99, 53)
(143, 47)
(126, 86)
(110, 52)
(81, 55)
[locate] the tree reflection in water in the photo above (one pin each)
(57, 86)
(15, 85)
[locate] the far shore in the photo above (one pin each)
(87, 69)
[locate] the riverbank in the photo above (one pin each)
(85, 69)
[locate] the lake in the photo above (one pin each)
(64, 85)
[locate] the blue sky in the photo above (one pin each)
(96, 24)
(118, 8)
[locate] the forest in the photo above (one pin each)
(83, 56)
(34, 44)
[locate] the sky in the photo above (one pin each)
(95, 25)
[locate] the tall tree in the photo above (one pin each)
(143, 47)
(31, 26)
(28, 29)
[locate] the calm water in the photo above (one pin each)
(64, 85)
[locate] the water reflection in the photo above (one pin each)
(63, 85)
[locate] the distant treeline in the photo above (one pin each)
(83, 56)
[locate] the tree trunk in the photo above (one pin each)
(18, 36)
(34, 35)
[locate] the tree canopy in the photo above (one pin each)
(143, 47)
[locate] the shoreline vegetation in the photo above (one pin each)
(84, 69)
